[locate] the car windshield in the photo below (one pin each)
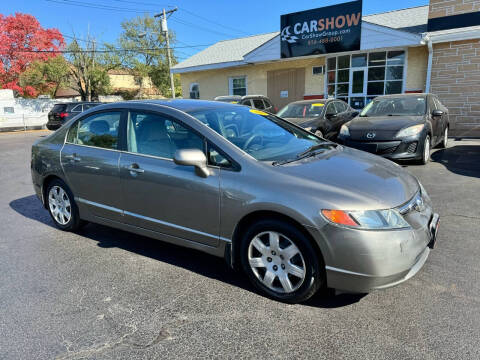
(396, 106)
(301, 110)
(264, 136)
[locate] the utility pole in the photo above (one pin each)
(164, 29)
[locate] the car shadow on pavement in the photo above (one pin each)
(192, 260)
(460, 159)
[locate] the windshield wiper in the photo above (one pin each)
(311, 151)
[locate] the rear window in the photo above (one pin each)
(59, 108)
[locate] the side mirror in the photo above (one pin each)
(330, 115)
(192, 157)
(437, 113)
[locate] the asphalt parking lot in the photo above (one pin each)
(104, 293)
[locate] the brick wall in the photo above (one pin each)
(440, 8)
(456, 81)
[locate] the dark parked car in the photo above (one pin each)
(399, 127)
(63, 112)
(259, 102)
(295, 212)
(324, 118)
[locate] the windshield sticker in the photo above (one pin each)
(258, 112)
(318, 104)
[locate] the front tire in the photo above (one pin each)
(426, 151)
(62, 207)
(280, 262)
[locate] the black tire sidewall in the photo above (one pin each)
(315, 274)
(74, 223)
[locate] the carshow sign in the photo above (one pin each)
(326, 30)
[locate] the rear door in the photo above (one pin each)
(160, 195)
(90, 159)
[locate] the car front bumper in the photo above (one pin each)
(366, 260)
(402, 149)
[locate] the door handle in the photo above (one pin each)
(73, 158)
(135, 169)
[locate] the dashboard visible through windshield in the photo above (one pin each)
(263, 136)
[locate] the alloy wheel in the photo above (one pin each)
(276, 262)
(319, 133)
(59, 204)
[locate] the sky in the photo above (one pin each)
(197, 23)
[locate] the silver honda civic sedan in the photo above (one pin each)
(294, 212)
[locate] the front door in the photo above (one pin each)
(160, 195)
(90, 161)
(358, 87)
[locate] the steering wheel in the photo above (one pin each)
(250, 140)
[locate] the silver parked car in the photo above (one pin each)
(294, 212)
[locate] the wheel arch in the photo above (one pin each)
(258, 215)
(47, 180)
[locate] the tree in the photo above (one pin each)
(46, 77)
(88, 69)
(145, 51)
(22, 42)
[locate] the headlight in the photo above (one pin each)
(344, 131)
(423, 191)
(368, 219)
(410, 131)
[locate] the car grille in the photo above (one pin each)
(412, 147)
(389, 150)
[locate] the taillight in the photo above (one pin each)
(63, 114)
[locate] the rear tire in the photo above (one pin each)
(444, 142)
(62, 207)
(280, 261)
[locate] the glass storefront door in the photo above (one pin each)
(358, 87)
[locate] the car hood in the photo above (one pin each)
(384, 127)
(301, 121)
(349, 179)
(383, 122)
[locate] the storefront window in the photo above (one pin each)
(238, 85)
(371, 74)
(359, 60)
(344, 62)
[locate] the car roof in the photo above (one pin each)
(404, 95)
(311, 101)
(185, 105)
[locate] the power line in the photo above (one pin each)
(98, 6)
(213, 22)
(105, 50)
(197, 27)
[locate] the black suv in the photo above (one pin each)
(259, 102)
(63, 112)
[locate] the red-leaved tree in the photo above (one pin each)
(23, 41)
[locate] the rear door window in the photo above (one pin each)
(246, 102)
(99, 130)
(77, 108)
(258, 104)
(341, 107)
(58, 108)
